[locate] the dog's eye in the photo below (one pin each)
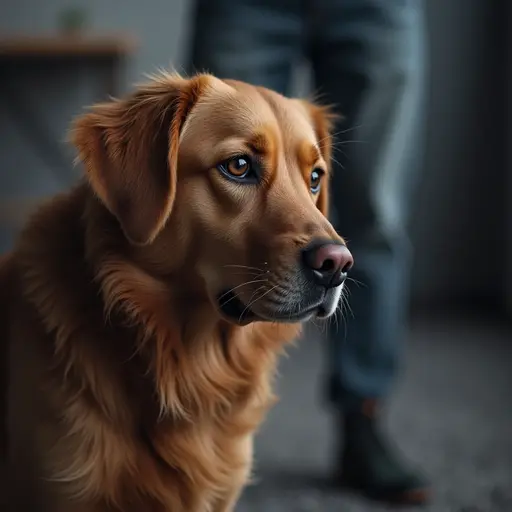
(238, 168)
(316, 180)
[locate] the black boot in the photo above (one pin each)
(370, 466)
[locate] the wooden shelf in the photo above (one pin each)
(66, 46)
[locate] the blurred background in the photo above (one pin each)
(452, 409)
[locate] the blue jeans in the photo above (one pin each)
(368, 58)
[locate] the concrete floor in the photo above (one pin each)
(451, 414)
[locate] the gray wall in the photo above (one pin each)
(507, 17)
(458, 224)
(458, 227)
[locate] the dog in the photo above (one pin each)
(144, 310)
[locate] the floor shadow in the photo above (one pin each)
(291, 480)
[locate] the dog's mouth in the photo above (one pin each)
(234, 309)
(237, 312)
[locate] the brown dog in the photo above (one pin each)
(143, 311)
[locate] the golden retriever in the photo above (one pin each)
(143, 311)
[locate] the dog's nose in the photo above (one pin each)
(329, 263)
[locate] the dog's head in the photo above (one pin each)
(222, 187)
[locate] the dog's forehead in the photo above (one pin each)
(290, 114)
(233, 108)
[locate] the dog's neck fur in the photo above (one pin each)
(148, 351)
(134, 303)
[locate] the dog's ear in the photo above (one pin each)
(129, 148)
(323, 119)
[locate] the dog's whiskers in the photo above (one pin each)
(348, 141)
(338, 317)
(337, 162)
(253, 272)
(341, 132)
(255, 275)
(346, 303)
(237, 287)
(256, 291)
(356, 282)
(257, 299)
(342, 308)
(245, 267)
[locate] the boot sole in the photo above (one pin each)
(412, 497)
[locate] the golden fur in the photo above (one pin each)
(127, 389)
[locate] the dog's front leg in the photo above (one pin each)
(240, 479)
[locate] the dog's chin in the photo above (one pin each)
(235, 311)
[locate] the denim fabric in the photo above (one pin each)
(368, 58)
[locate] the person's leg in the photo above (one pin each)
(368, 59)
(256, 41)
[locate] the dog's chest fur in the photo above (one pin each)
(130, 416)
